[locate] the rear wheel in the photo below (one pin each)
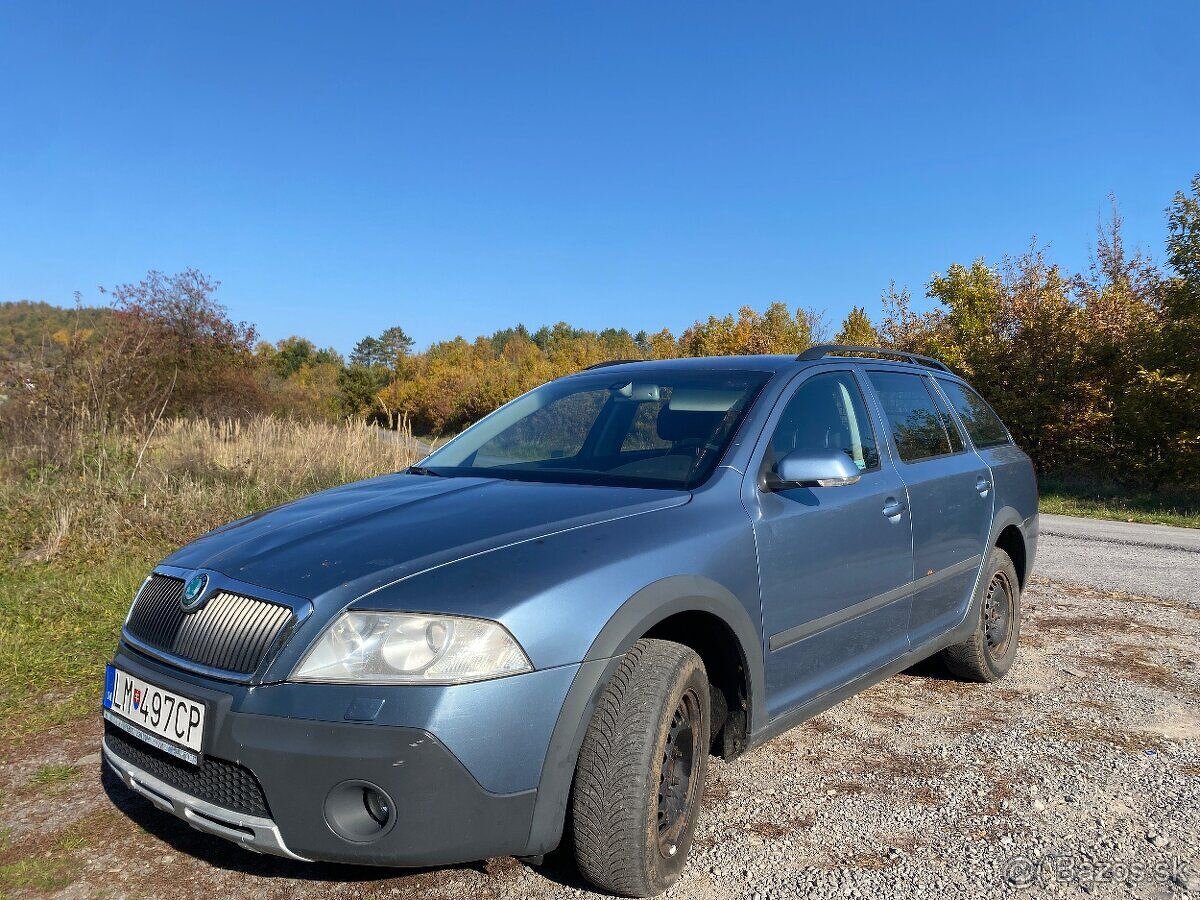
(989, 653)
(640, 775)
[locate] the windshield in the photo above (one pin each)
(668, 430)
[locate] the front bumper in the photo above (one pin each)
(443, 813)
(252, 832)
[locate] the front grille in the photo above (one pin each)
(157, 612)
(230, 632)
(216, 781)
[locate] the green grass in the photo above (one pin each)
(58, 626)
(1097, 500)
(53, 775)
(40, 868)
(36, 872)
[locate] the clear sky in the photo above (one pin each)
(454, 168)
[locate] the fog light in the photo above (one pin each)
(379, 807)
(359, 811)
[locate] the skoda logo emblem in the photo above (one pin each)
(193, 591)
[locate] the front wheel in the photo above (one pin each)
(989, 652)
(640, 775)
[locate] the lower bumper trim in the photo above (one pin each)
(252, 832)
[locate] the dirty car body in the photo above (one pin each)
(795, 594)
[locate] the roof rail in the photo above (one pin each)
(610, 362)
(820, 351)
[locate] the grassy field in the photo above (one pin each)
(1106, 501)
(82, 526)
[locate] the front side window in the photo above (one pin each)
(983, 425)
(916, 424)
(827, 412)
(668, 429)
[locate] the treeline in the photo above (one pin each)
(1096, 372)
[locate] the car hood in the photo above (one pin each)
(345, 542)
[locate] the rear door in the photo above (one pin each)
(1013, 481)
(950, 499)
(835, 563)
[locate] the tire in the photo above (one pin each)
(643, 760)
(989, 653)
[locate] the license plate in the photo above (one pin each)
(157, 716)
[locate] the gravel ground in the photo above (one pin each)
(1078, 773)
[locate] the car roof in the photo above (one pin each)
(760, 363)
(771, 363)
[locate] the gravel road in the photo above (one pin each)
(1078, 773)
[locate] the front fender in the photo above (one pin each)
(634, 618)
(684, 593)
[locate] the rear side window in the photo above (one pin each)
(983, 425)
(916, 424)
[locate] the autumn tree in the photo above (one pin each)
(177, 349)
(1096, 373)
(1169, 379)
(288, 356)
(777, 330)
(857, 329)
(904, 329)
(662, 345)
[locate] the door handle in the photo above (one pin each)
(983, 486)
(893, 508)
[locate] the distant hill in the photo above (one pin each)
(25, 325)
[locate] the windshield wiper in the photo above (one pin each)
(424, 470)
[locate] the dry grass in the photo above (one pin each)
(1134, 664)
(1100, 625)
(769, 830)
(87, 512)
(1083, 732)
(281, 454)
(162, 484)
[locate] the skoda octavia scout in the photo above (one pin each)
(539, 634)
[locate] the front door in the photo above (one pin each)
(835, 563)
(950, 497)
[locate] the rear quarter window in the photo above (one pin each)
(952, 432)
(983, 425)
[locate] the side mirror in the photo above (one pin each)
(813, 468)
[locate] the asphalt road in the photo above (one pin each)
(1148, 560)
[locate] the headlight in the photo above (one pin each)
(405, 648)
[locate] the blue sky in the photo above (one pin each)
(455, 168)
